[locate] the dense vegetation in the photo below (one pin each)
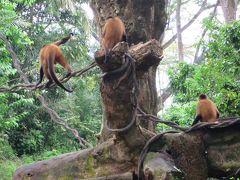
(217, 75)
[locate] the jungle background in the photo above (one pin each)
(201, 55)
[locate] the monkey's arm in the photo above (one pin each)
(197, 118)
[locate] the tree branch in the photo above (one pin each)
(31, 86)
(56, 118)
(189, 23)
(179, 32)
(196, 58)
(158, 120)
(163, 97)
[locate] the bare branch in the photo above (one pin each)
(157, 119)
(189, 23)
(179, 32)
(163, 97)
(55, 117)
(196, 58)
(96, 37)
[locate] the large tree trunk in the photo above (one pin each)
(229, 8)
(118, 94)
(144, 20)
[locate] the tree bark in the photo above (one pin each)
(207, 150)
(117, 95)
(229, 8)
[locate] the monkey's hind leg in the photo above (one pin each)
(41, 76)
(197, 118)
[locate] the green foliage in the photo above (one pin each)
(9, 161)
(217, 76)
(180, 113)
(7, 13)
(29, 130)
(6, 151)
(7, 168)
(85, 108)
(10, 102)
(178, 82)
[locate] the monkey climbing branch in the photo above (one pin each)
(55, 117)
(29, 86)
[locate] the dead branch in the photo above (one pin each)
(222, 122)
(163, 97)
(56, 118)
(158, 120)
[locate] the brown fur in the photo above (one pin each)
(206, 110)
(51, 54)
(113, 33)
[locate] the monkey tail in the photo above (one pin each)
(52, 74)
(63, 40)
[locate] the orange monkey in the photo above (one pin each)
(51, 54)
(113, 32)
(206, 110)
